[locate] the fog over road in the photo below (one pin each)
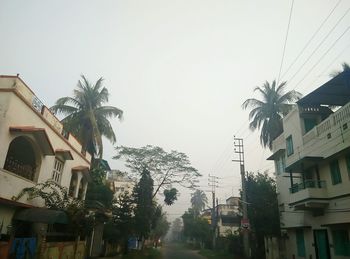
(174, 251)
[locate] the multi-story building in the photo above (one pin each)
(312, 158)
(33, 149)
(228, 217)
(119, 182)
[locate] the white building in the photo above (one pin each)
(120, 183)
(228, 217)
(34, 149)
(312, 158)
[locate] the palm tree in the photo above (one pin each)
(345, 67)
(198, 200)
(86, 117)
(267, 113)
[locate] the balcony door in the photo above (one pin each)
(321, 244)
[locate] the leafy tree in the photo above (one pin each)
(144, 210)
(262, 209)
(57, 197)
(122, 224)
(160, 225)
(170, 196)
(198, 200)
(166, 168)
(86, 117)
(345, 67)
(196, 228)
(267, 114)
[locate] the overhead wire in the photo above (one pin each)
(311, 38)
(319, 45)
(312, 68)
(285, 41)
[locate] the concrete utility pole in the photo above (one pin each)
(213, 182)
(245, 222)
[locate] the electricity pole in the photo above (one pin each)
(213, 183)
(239, 149)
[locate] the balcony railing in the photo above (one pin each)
(339, 117)
(17, 167)
(306, 185)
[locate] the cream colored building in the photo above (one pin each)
(312, 158)
(228, 217)
(33, 149)
(120, 183)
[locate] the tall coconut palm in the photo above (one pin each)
(86, 117)
(266, 114)
(198, 200)
(345, 67)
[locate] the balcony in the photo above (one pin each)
(308, 195)
(330, 136)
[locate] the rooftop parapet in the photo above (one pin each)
(17, 85)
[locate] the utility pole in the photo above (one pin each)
(213, 183)
(239, 149)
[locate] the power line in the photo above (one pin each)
(320, 44)
(312, 68)
(310, 40)
(285, 41)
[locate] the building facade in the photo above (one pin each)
(228, 217)
(312, 161)
(34, 149)
(120, 183)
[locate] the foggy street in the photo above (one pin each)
(175, 251)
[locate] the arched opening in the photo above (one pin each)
(73, 185)
(21, 158)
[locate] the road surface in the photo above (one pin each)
(175, 251)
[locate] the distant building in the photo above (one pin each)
(312, 159)
(119, 182)
(228, 217)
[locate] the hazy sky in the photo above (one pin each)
(179, 69)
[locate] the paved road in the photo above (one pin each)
(171, 251)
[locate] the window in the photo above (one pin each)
(280, 164)
(341, 242)
(289, 144)
(309, 123)
(335, 172)
(300, 242)
(57, 170)
(347, 158)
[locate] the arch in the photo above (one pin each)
(73, 185)
(22, 158)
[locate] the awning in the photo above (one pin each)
(276, 154)
(14, 203)
(42, 215)
(304, 163)
(65, 154)
(80, 168)
(39, 135)
(334, 92)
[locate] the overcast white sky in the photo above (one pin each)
(179, 69)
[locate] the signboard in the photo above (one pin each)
(245, 224)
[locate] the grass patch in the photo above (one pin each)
(212, 254)
(148, 253)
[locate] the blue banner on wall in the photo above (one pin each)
(23, 248)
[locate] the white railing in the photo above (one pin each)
(324, 126)
(309, 136)
(342, 114)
